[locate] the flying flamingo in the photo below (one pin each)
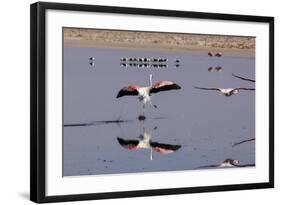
(144, 93)
(145, 142)
(226, 91)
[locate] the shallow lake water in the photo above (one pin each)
(202, 125)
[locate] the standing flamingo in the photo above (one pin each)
(144, 93)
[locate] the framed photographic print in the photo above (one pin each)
(129, 102)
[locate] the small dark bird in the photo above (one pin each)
(219, 54)
(210, 69)
(218, 68)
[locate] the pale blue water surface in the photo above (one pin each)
(204, 123)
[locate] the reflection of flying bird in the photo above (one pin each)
(145, 142)
(144, 93)
(226, 91)
(228, 163)
(242, 78)
(123, 64)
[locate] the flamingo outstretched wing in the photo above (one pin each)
(242, 78)
(128, 144)
(217, 89)
(164, 148)
(128, 90)
(245, 88)
(164, 86)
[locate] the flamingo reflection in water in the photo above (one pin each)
(145, 142)
(227, 163)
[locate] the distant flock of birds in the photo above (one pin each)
(146, 62)
(144, 59)
(144, 65)
(141, 62)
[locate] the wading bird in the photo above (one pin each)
(144, 142)
(242, 78)
(144, 93)
(226, 91)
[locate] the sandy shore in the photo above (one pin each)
(230, 45)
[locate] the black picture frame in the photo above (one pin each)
(38, 101)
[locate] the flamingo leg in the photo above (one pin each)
(151, 154)
(142, 116)
(154, 106)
